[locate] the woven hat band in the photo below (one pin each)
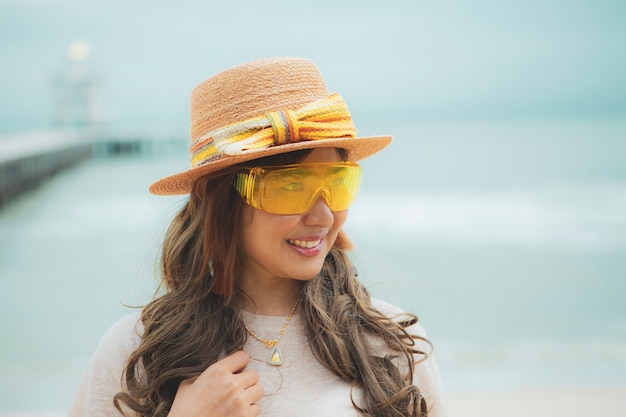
(285, 130)
(328, 118)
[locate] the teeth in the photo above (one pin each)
(308, 244)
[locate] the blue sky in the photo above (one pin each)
(414, 60)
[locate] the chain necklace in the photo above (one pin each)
(276, 356)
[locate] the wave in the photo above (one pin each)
(586, 216)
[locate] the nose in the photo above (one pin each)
(320, 214)
(325, 194)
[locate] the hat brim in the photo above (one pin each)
(182, 183)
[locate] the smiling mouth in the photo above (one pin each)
(307, 244)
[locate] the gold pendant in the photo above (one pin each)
(276, 357)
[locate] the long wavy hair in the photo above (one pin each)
(196, 319)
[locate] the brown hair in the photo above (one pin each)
(191, 325)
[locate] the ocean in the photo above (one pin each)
(507, 239)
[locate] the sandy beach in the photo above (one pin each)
(552, 402)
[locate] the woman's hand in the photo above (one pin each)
(223, 389)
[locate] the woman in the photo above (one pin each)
(262, 313)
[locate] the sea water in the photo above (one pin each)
(508, 240)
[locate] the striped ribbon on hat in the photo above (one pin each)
(326, 118)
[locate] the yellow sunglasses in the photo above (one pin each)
(292, 189)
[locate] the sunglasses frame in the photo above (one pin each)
(246, 183)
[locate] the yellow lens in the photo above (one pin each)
(293, 189)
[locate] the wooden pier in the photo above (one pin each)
(27, 159)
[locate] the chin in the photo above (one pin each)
(307, 276)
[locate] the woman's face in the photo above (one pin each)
(290, 246)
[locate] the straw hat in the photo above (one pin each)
(264, 108)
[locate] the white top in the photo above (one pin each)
(301, 383)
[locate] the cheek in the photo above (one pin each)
(340, 218)
(258, 225)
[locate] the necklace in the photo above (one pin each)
(276, 356)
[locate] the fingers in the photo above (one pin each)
(255, 393)
(254, 410)
(232, 364)
(225, 388)
(238, 360)
(235, 362)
